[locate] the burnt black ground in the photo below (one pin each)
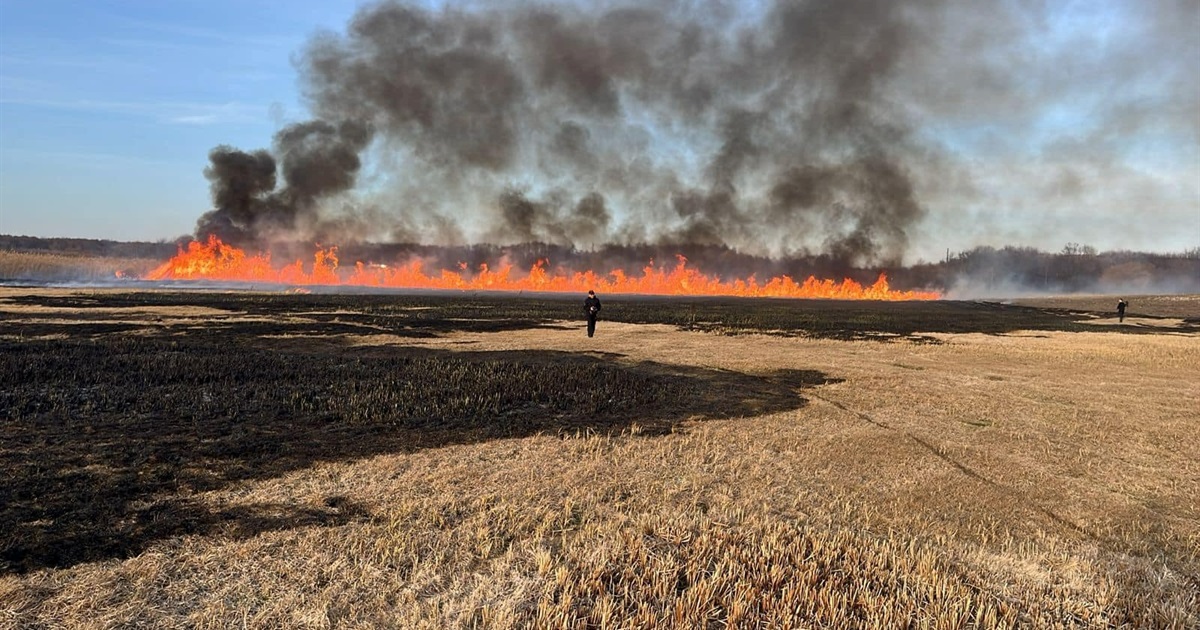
(111, 421)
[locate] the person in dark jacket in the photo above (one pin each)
(1121, 304)
(591, 306)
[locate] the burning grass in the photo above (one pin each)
(214, 260)
(211, 460)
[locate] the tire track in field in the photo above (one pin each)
(964, 469)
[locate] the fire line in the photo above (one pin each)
(218, 261)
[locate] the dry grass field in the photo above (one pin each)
(219, 460)
(59, 267)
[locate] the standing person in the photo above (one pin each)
(1121, 304)
(591, 306)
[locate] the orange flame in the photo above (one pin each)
(215, 260)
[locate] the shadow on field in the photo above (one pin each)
(117, 408)
(106, 439)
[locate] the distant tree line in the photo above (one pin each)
(90, 247)
(1077, 268)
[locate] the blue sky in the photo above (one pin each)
(108, 111)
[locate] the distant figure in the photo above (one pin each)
(591, 306)
(1121, 304)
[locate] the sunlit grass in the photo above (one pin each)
(51, 267)
(1015, 479)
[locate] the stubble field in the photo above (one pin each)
(215, 460)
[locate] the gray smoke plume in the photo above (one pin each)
(787, 127)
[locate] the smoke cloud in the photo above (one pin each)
(794, 127)
(317, 160)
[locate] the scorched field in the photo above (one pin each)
(224, 459)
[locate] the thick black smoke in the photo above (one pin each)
(317, 159)
(787, 128)
(582, 127)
